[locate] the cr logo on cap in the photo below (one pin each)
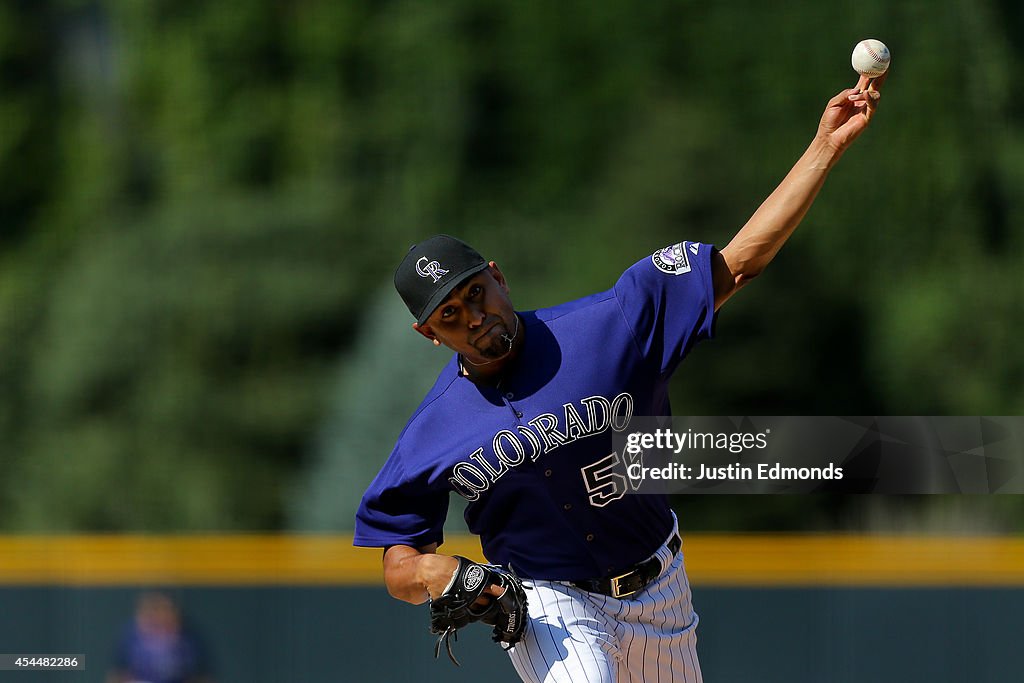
(433, 269)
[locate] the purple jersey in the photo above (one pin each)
(533, 455)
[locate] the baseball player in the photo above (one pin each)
(520, 424)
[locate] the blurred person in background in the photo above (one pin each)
(157, 646)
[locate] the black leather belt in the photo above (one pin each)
(633, 581)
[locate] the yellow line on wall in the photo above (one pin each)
(786, 560)
(711, 560)
(207, 560)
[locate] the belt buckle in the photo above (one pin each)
(616, 591)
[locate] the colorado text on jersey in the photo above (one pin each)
(542, 434)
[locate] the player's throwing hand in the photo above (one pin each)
(849, 112)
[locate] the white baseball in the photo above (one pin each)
(870, 57)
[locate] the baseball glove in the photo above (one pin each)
(456, 607)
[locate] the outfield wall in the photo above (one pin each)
(311, 609)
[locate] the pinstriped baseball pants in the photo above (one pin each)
(574, 635)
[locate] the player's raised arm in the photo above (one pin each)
(757, 242)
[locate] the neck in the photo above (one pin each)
(491, 374)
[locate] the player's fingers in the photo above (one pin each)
(868, 98)
(876, 83)
(865, 103)
(492, 591)
(842, 97)
(864, 84)
(863, 97)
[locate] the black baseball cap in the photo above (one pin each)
(431, 270)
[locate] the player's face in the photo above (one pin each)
(477, 319)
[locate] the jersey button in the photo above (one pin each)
(567, 506)
(510, 396)
(547, 473)
(519, 413)
(590, 537)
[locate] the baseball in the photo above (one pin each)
(870, 57)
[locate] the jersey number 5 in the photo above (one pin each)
(603, 483)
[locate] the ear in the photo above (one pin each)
(427, 332)
(498, 276)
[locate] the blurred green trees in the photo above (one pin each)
(200, 201)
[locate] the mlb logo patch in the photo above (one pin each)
(672, 260)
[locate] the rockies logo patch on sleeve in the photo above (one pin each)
(672, 260)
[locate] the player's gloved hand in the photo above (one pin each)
(466, 600)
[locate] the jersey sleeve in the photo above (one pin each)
(400, 509)
(668, 302)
